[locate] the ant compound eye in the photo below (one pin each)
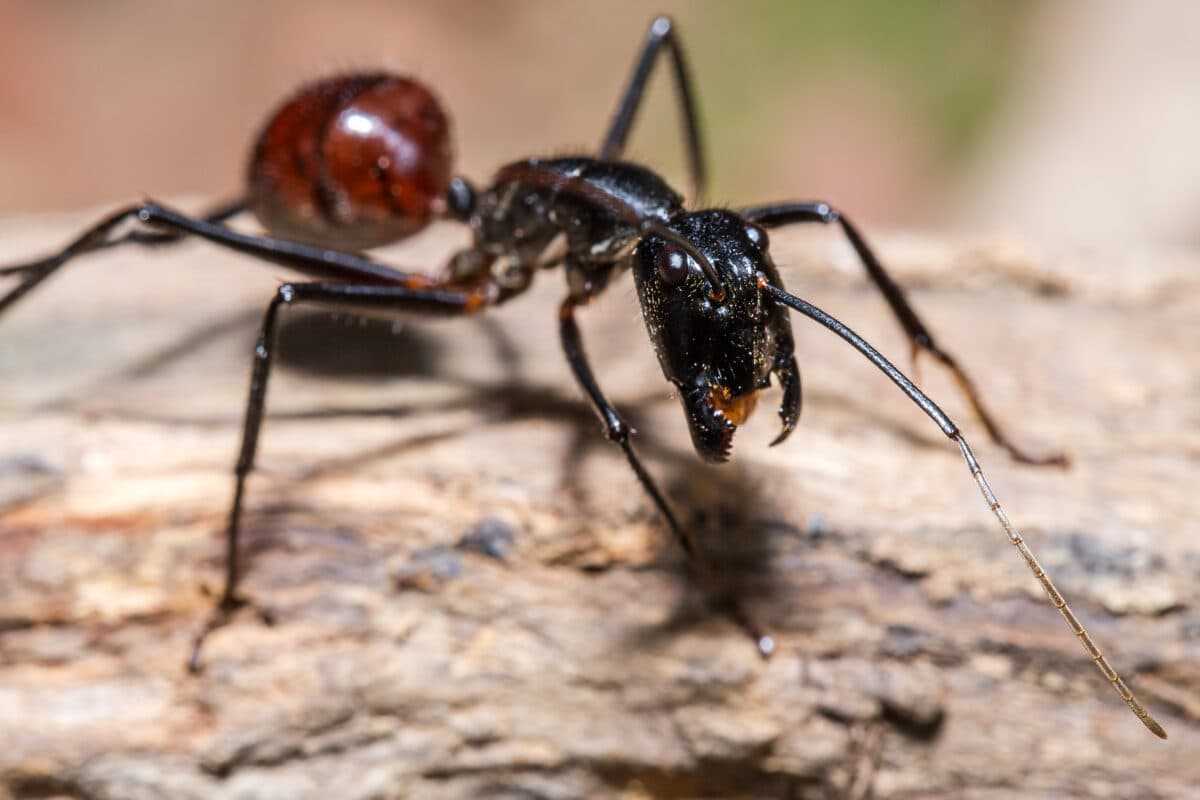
(672, 265)
(757, 236)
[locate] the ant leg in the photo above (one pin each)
(308, 259)
(919, 337)
(345, 296)
(217, 215)
(95, 239)
(618, 432)
(661, 32)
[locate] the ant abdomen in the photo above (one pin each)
(353, 162)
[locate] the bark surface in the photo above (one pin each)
(473, 598)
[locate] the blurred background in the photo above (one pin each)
(1066, 121)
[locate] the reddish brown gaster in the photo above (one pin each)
(353, 162)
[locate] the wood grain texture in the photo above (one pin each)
(917, 657)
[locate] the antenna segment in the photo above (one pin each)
(951, 430)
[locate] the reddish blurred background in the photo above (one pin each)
(1072, 119)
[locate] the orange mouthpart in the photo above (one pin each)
(735, 409)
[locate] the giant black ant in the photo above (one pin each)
(361, 160)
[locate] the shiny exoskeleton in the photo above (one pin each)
(362, 160)
(718, 347)
(355, 162)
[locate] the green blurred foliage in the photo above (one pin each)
(947, 65)
(952, 56)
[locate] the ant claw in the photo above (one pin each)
(766, 646)
(220, 616)
(763, 642)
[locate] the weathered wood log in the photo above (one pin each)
(473, 598)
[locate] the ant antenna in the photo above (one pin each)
(951, 430)
(1056, 598)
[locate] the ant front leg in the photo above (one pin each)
(661, 34)
(344, 296)
(98, 238)
(619, 432)
(919, 337)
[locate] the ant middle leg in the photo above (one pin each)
(619, 432)
(919, 336)
(661, 34)
(344, 296)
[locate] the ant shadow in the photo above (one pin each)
(354, 347)
(738, 528)
(723, 506)
(344, 346)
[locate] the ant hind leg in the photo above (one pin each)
(98, 238)
(661, 34)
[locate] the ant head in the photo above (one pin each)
(719, 344)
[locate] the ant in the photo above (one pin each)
(361, 160)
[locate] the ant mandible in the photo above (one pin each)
(361, 160)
